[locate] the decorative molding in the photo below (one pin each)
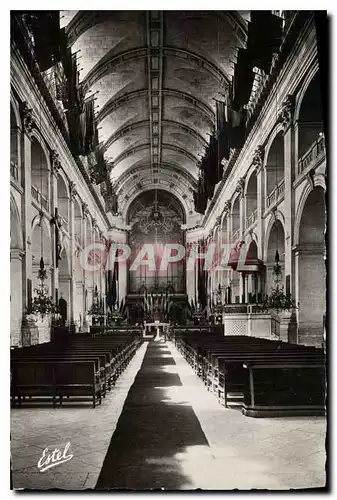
(55, 162)
(287, 112)
(227, 207)
(240, 186)
(258, 158)
(85, 210)
(27, 117)
(72, 190)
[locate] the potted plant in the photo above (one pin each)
(41, 310)
(281, 305)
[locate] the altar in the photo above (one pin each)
(161, 329)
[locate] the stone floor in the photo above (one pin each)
(243, 453)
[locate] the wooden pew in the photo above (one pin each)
(45, 380)
(289, 388)
(220, 363)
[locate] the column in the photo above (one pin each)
(289, 207)
(72, 283)
(260, 207)
(16, 309)
(55, 166)
(85, 242)
(290, 150)
(27, 119)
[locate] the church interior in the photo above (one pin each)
(167, 250)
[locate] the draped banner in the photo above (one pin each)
(243, 79)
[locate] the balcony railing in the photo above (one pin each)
(275, 195)
(14, 170)
(315, 152)
(40, 198)
(251, 219)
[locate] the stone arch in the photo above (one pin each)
(251, 199)
(63, 197)
(65, 278)
(273, 164)
(314, 68)
(16, 111)
(128, 204)
(235, 214)
(309, 116)
(277, 129)
(15, 133)
(40, 170)
(274, 244)
(310, 267)
(41, 247)
(78, 216)
(41, 230)
(277, 215)
(16, 237)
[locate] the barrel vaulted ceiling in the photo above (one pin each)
(156, 75)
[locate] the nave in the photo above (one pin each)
(160, 428)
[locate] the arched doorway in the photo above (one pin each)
(155, 218)
(276, 245)
(311, 271)
(41, 247)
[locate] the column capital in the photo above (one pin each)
(72, 190)
(27, 116)
(240, 186)
(55, 162)
(285, 116)
(226, 207)
(85, 209)
(258, 157)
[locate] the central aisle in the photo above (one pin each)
(156, 432)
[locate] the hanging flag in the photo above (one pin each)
(243, 79)
(237, 126)
(222, 137)
(202, 280)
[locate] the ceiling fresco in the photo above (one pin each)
(155, 76)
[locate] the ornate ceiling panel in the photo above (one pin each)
(155, 76)
(212, 35)
(123, 116)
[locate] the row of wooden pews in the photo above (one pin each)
(266, 377)
(78, 368)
